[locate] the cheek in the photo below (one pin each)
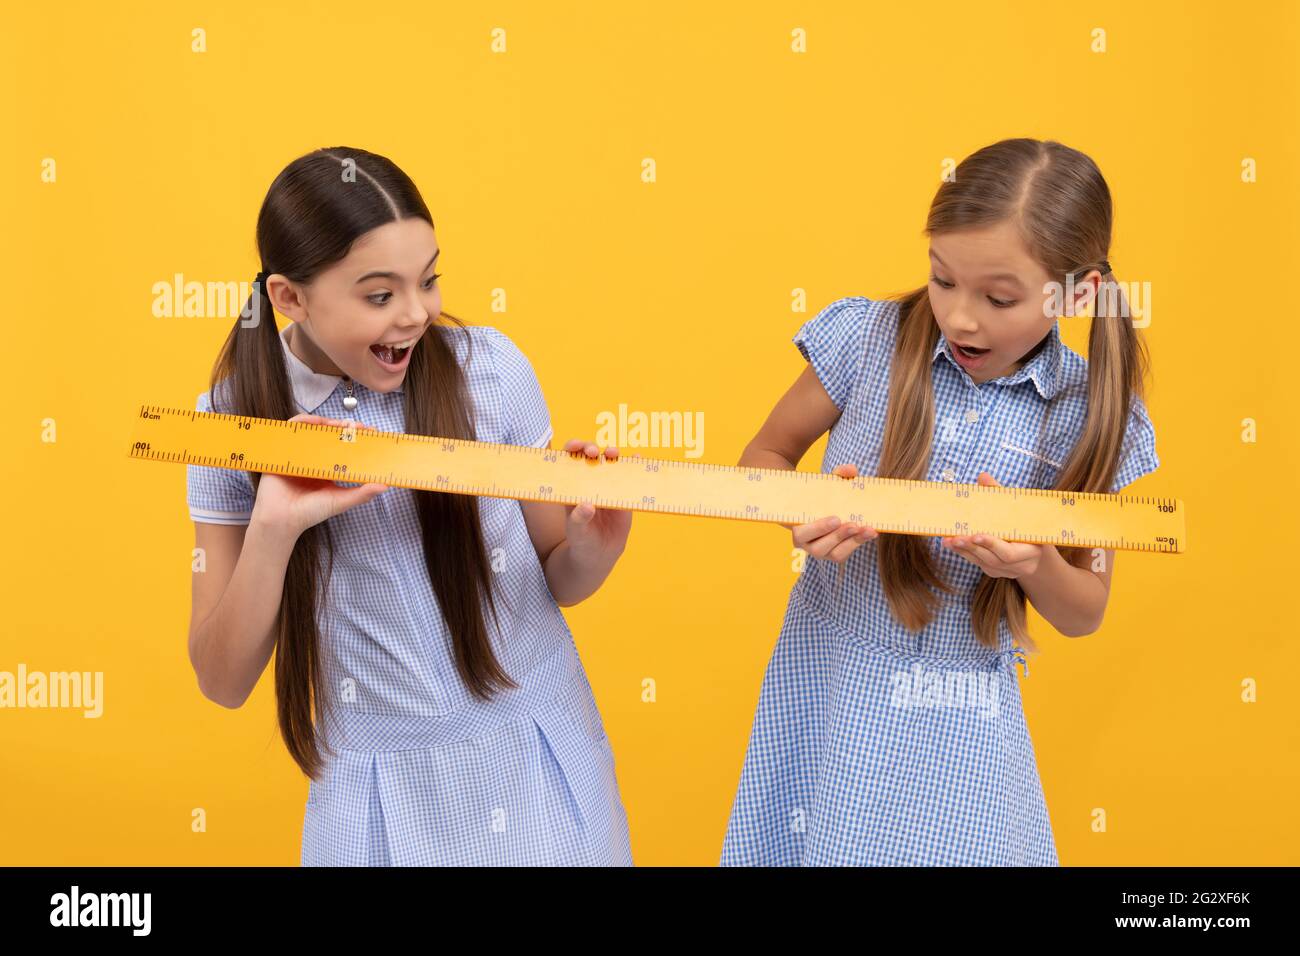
(1024, 328)
(939, 309)
(1049, 303)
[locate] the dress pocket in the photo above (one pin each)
(1026, 460)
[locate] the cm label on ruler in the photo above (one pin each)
(458, 466)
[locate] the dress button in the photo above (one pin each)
(949, 475)
(972, 415)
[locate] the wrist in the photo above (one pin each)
(1043, 571)
(272, 534)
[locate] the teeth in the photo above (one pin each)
(397, 345)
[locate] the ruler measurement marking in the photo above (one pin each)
(731, 492)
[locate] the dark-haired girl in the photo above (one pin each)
(425, 678)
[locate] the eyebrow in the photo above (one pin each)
(997, 275)
(394, 275)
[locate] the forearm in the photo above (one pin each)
(754, 457)
(572, 580)
(232, 646)
(1072, 599)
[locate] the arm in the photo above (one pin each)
(235, 602)
(236, 599)
(577, 545)
(570, 579)
(801, 416)
(1069, 593)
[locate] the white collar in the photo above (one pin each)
(310, 389)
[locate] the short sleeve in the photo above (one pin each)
(834, 342)
(1137, 455)
(524, 410)
(218, 495)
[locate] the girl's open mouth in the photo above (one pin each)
(393, 358)
(969, 357)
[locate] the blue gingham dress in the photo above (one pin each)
(424, 774)
(873, 745)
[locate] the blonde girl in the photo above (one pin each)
(889, 728)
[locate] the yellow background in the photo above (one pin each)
(775, 171)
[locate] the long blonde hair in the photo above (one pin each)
(1061, 205)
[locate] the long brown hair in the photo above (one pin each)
(316, 208)
(1060, 203)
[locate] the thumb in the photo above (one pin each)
(847, 470)
(583, 513)
(351, 497)
(986, 479)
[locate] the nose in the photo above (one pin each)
(961, 323)
(417, 316)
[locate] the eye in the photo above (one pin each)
(381, 298)
(999, 303)
(940, 282)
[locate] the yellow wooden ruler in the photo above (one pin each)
(1121, 522)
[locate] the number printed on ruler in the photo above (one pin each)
(456, 466)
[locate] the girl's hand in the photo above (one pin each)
(290, 505)
(826, 537)
(993, 556)
(595, 535)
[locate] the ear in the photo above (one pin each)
(1085, 291)
(286, 297)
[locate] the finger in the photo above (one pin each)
(845, 548)
(578, 445)
(985, 478)
(805, 533)
(1001, 550)
(611, 452)
(847, 470)
(985, 558)
(330, 422)
(353, 423)
(955, 544)
(583, 512)
(351, 497)
(827, 542)
(979, 555)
